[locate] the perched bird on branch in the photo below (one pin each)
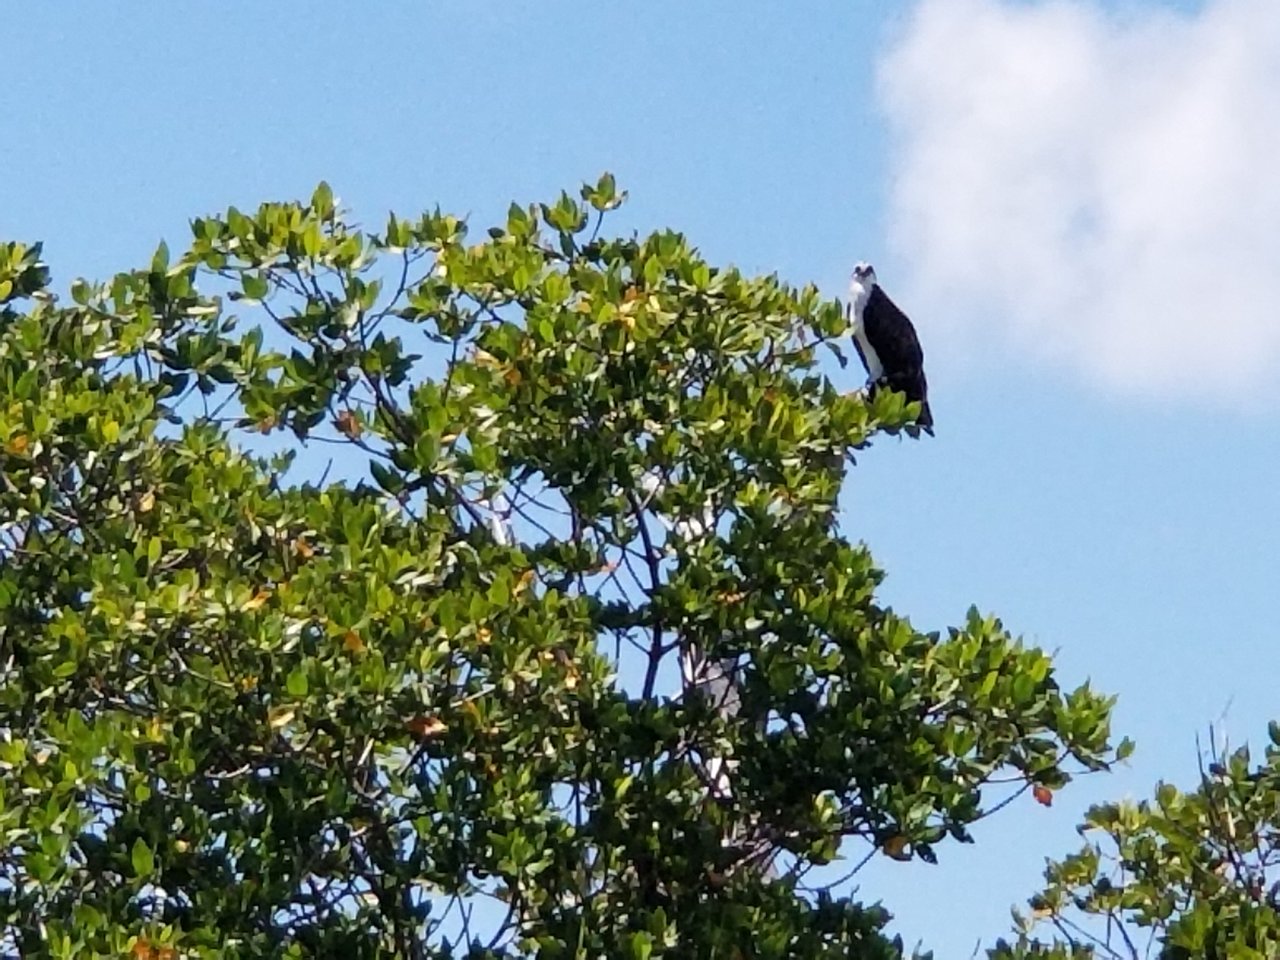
(887, 342)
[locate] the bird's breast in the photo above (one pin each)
(874, 368)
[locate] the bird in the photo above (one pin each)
(887, 343)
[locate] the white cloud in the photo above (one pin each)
(1096, 189)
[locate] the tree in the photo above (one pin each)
(418, 701)
(1185, 875)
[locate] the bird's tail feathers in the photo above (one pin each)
(912, 388)
(925, 420)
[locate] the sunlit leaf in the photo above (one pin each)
(256, 601)
(425, 728)
(141, 857)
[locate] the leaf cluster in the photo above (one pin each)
(1182, 875)
(419, 705)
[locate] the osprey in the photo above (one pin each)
(887, 343)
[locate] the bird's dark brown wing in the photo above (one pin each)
(891, 333)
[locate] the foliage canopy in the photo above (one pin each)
(419, 703)
(1184, 875)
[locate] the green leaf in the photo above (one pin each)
(652, 271)
(386, 478)
(141, 857)
(160, 261)
(322, 201)
(640, 945)
(297, 684)
(254, 285)
(64, 669)
(312, 241)
(519, 224)
(604, 195)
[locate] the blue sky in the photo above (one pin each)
(1105, 471)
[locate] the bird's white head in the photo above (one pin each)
(860, 284)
